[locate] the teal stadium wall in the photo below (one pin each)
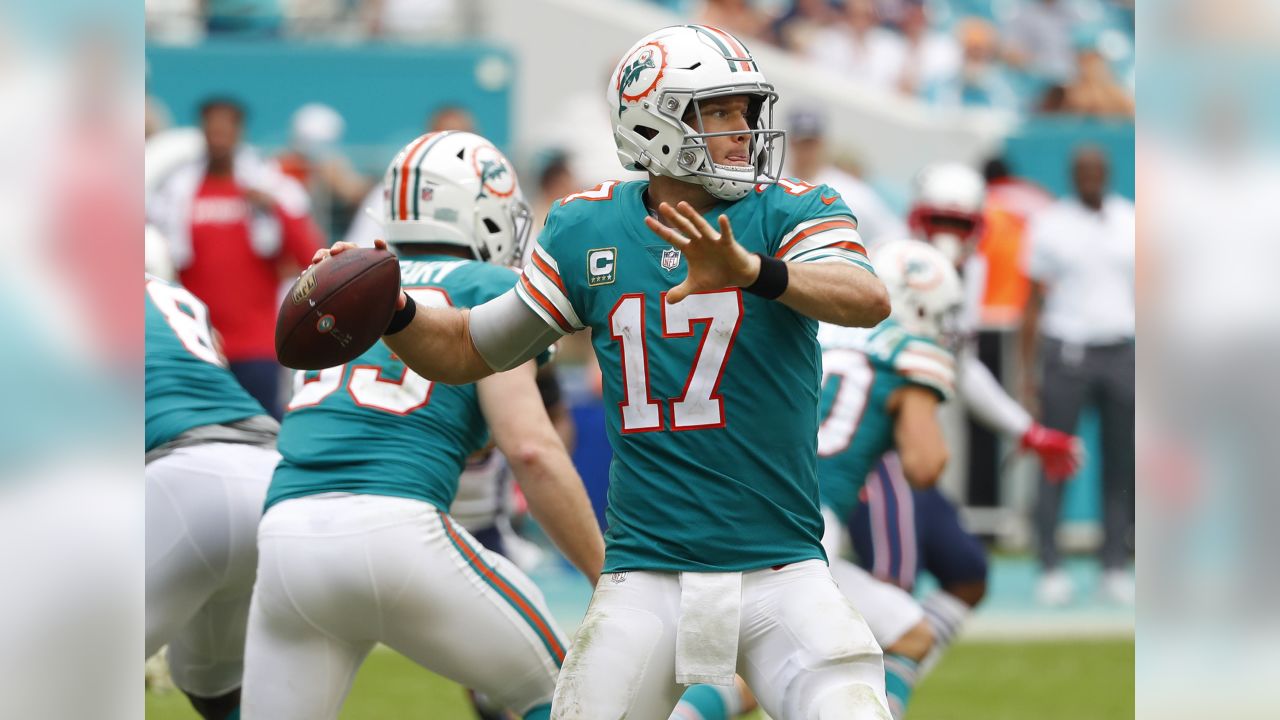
(1041, 149)
(384, 92)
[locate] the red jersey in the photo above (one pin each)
(239, 286)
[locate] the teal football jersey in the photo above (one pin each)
(711, 403)
(375, 427)
(188, 384)
(861, 369)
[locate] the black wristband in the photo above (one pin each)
(772, 280)
(403, 316)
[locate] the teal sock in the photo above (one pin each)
(900, 675)
(540, 712)
(235, 715)
(708, 702)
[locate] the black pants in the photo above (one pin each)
(262, 379)
(1101, 376)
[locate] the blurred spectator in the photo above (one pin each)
(244, 18)
(978, 82)
(858, 48)
(156, 116)
(809, 160)
(174, 21)
(1094, 91)
(795, 28)
(1081, 262)
(451, 117)
(555, 180)
(315, 17)
(315, 159)
(931, 56)
(1010, 204)
(232, 220)
(1053, 100)
(736, 16)
(1038, 39)
(414, 19)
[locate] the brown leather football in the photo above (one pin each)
(337, 309)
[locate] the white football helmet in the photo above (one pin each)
(924, 289)
(946, 209)
(455, 188)
(668, 73)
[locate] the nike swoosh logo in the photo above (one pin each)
(828, 200)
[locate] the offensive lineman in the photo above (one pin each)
(210, 451)
(357, 546)
(707, 346)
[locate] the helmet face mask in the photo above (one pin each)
(765, 146)
(657, 92)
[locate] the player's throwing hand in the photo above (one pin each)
(715, 259)
(340, 247)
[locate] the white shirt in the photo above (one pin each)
(1085, 259)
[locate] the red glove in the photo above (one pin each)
(1060, 454)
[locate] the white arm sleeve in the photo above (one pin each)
(987, 399)
(507, 333)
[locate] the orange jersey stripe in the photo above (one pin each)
(546, 304)
(404, 173)
(511, 595)
(849, 245)
(811, 231)
(547, 270)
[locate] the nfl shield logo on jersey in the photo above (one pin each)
(670, 259)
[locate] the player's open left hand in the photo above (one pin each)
(341, 247)
(715, 259)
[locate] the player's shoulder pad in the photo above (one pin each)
(792, 201)
(923, 362)
(578, 214)
(586, 204)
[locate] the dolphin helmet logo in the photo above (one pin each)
(643, 69)
(496, 176)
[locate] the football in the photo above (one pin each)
(337, 309)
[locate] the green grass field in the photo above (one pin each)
(976, 681)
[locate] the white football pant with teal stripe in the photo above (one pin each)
(338, 573)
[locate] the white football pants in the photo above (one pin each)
(203, 504)
(889, 610)
(803, 649)
(340, 572)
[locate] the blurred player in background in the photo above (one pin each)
(716, 428)
(210, 452)
(357, 544)
(315, 159)
(897, 529)
(1081, 260)
(232, 220)
(881, 391)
